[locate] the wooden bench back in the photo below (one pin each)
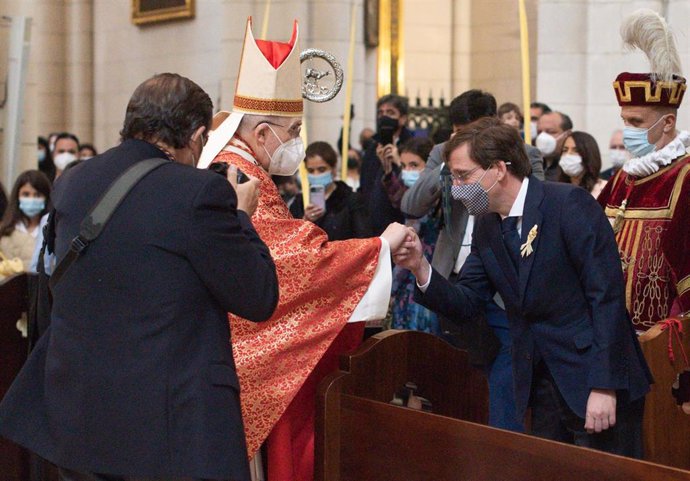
(14, 302)
(361, 436)
(666, 427)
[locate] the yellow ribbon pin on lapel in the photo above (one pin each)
(526, 248)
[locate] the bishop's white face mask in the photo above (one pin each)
(287, 157)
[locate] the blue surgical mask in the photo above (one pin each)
(41, 155)
(31, 206)
(409, 177)
(636, 140)
(321, 179)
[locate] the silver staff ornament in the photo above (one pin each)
(322, 75)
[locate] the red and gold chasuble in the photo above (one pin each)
(320, 282)
(651, 218)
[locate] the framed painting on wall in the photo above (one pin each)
(155, 11)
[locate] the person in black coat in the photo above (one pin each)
(391, 118)
(550, 252)
(344, 215)
(135, 375)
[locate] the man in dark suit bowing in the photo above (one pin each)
(135, 376)
(548, 249)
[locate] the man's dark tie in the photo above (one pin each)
(511, 239)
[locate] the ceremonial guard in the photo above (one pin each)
(648, 201)
(323, 285)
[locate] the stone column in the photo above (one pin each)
(461, 48)
(79, 100)
(563, 41)
(42, 45)
(428, 35)
(329, 30)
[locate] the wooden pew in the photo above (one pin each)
(361, 436)
(666, 427)
(14, 300)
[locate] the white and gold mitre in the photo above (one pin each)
(269, 81)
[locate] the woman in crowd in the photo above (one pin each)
(342, 214)
(28, 202)
(411, 159)
(581, 162)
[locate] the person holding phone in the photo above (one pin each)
(380, 158)
(333, 205)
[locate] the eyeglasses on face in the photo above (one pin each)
(466, 176)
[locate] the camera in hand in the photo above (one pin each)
(386, 129)
(222, 169)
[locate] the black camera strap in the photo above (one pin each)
(100, 213)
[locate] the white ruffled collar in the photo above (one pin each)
(651, 163)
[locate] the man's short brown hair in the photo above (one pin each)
(488, 141)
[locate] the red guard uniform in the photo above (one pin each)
(648, 203)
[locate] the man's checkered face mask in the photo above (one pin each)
(473, 196)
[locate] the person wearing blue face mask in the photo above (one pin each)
(404, 170)
(343, 216)
(648, 199)
(29, 200)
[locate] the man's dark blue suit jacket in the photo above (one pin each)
(135, 375)
(566, 304)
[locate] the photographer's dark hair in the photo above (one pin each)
(488, 141)
(36, 179)
(323, 150)
(401, 103)
(167, 108)
(470, 106)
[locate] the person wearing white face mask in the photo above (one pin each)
(553, 128)
(326, 288)
(647, 199)
(581, 162)
(29, 200)
(65, 152)
(343, 216)
(618, 154)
